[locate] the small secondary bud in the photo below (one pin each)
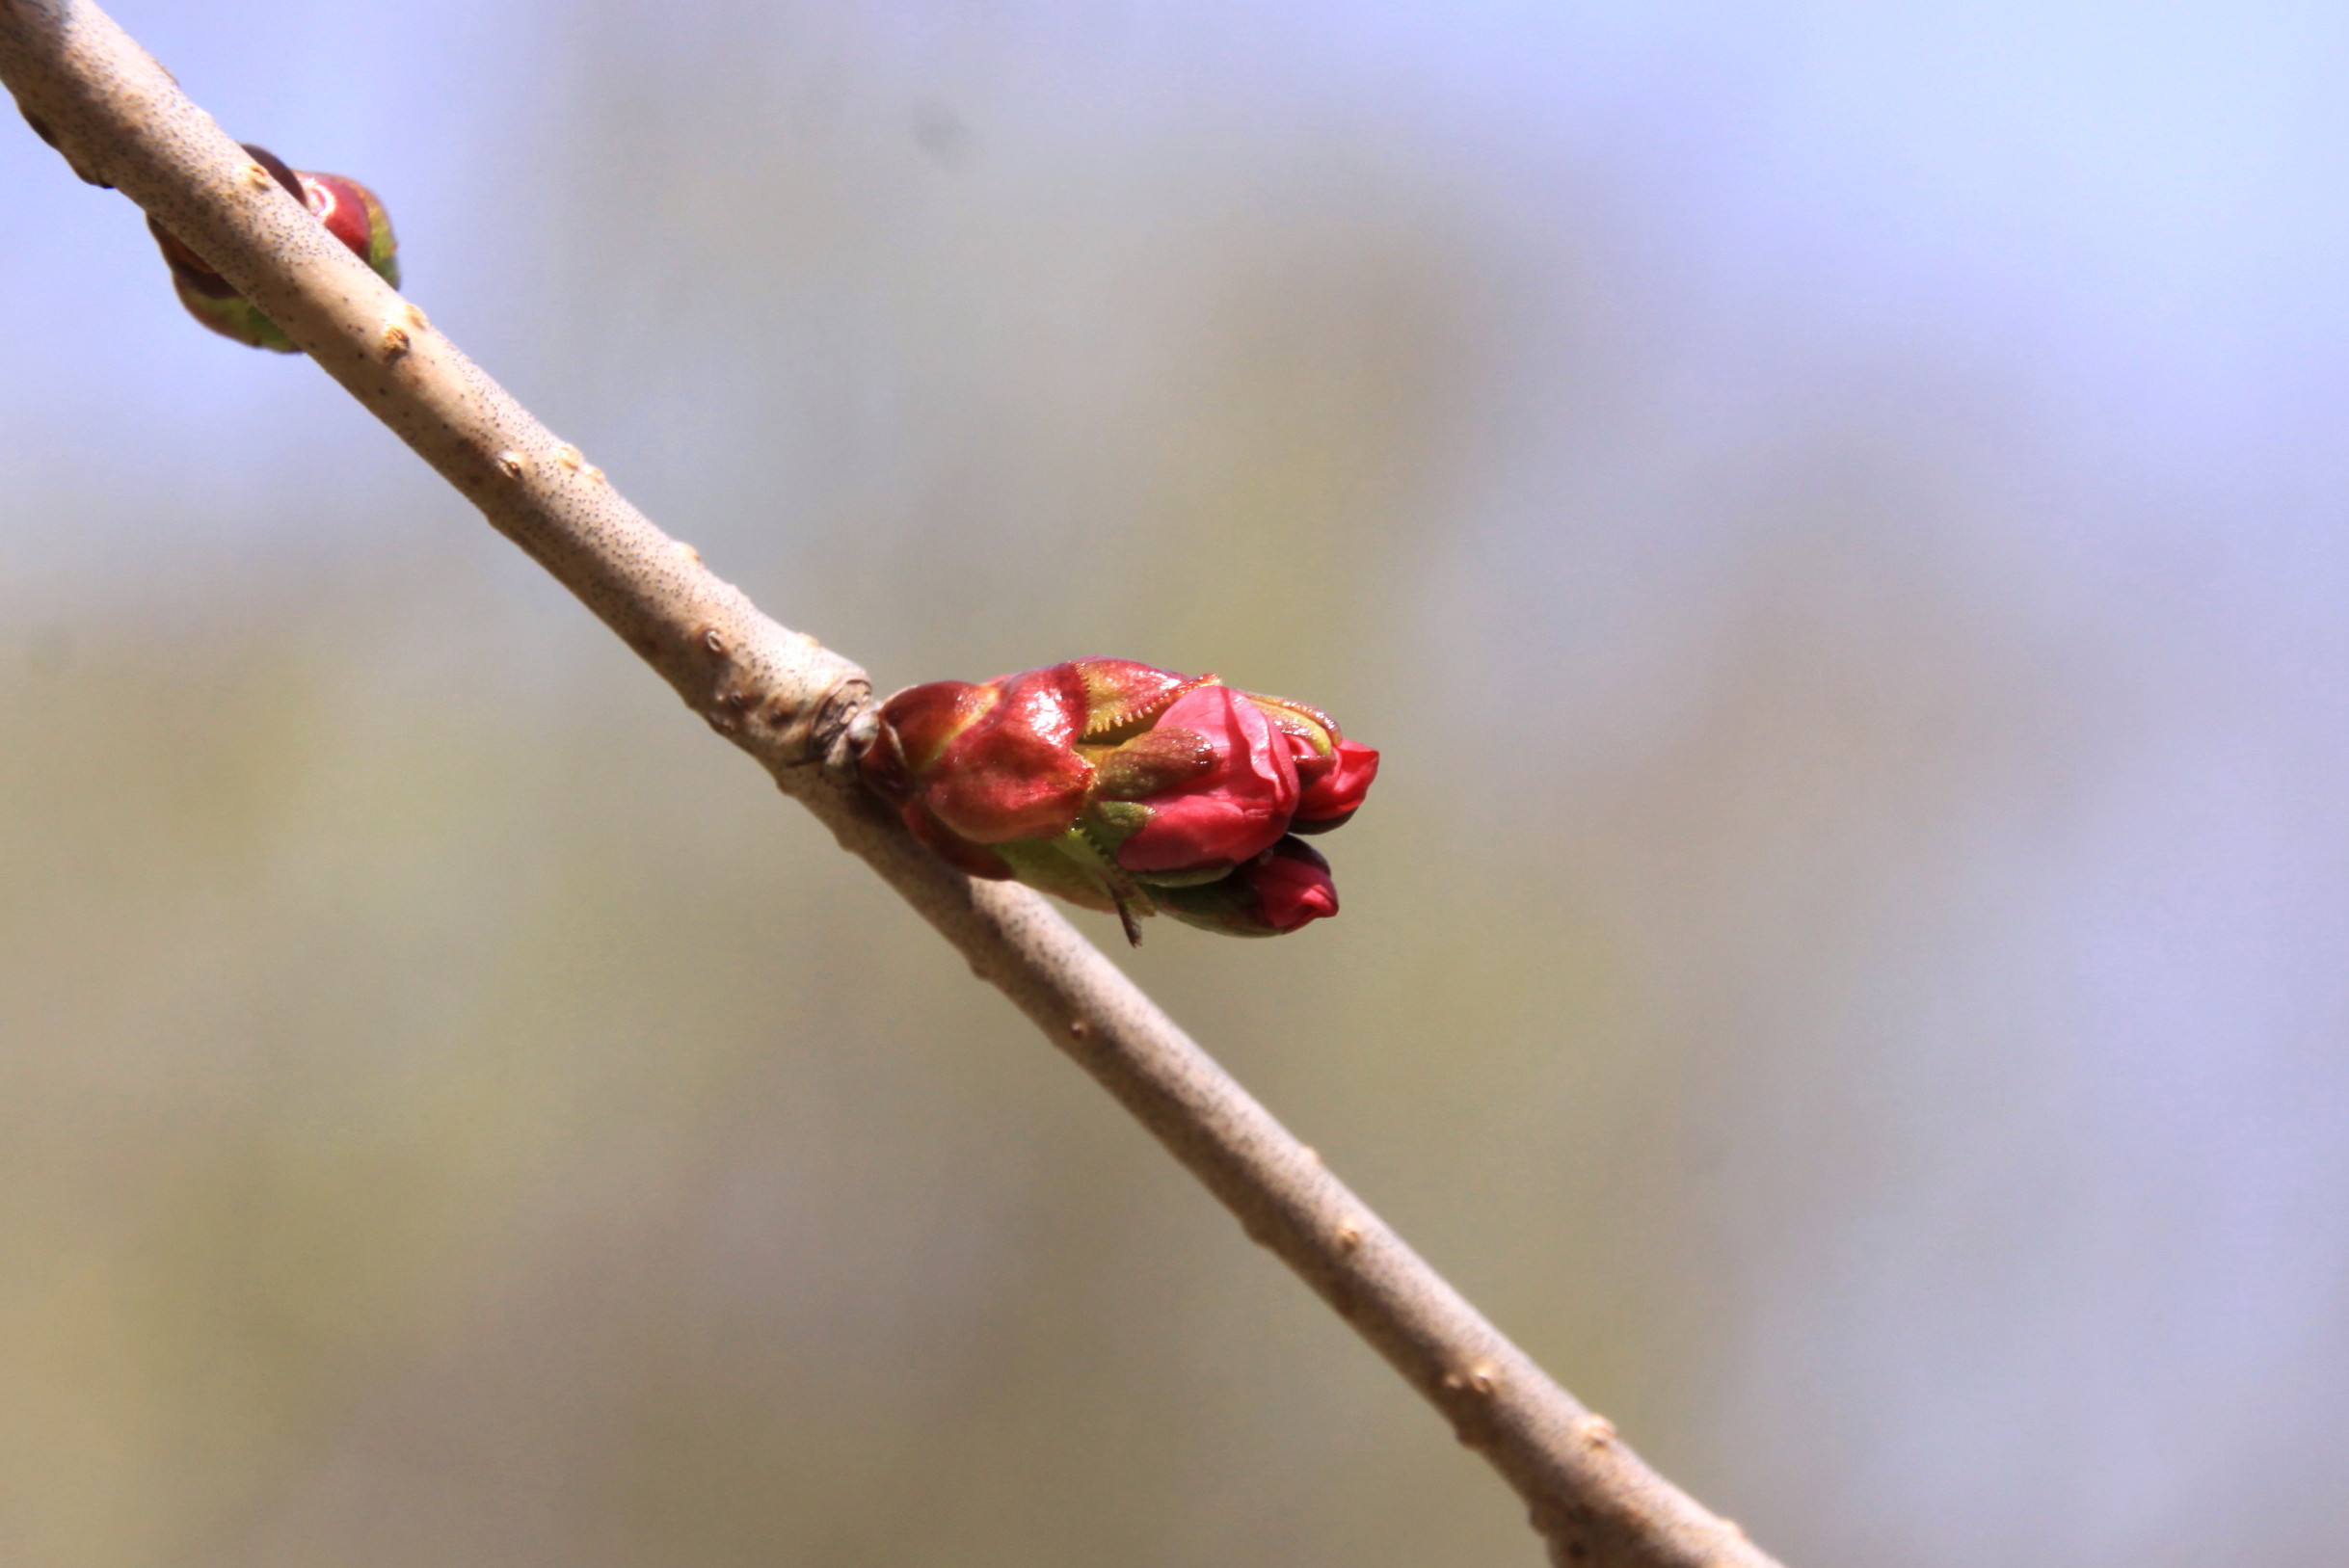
(347, 210)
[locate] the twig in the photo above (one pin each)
(121, 121)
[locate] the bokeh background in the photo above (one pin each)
(1834, 513)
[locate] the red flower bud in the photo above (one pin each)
(1333, 773)
(1337, 794)
(1285, 887)
(1123, 787)
(1234, 798)
(989, 763)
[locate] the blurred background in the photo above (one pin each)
(1833, 513)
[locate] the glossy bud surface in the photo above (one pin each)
(1123, 788)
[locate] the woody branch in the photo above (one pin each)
(798, 708)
